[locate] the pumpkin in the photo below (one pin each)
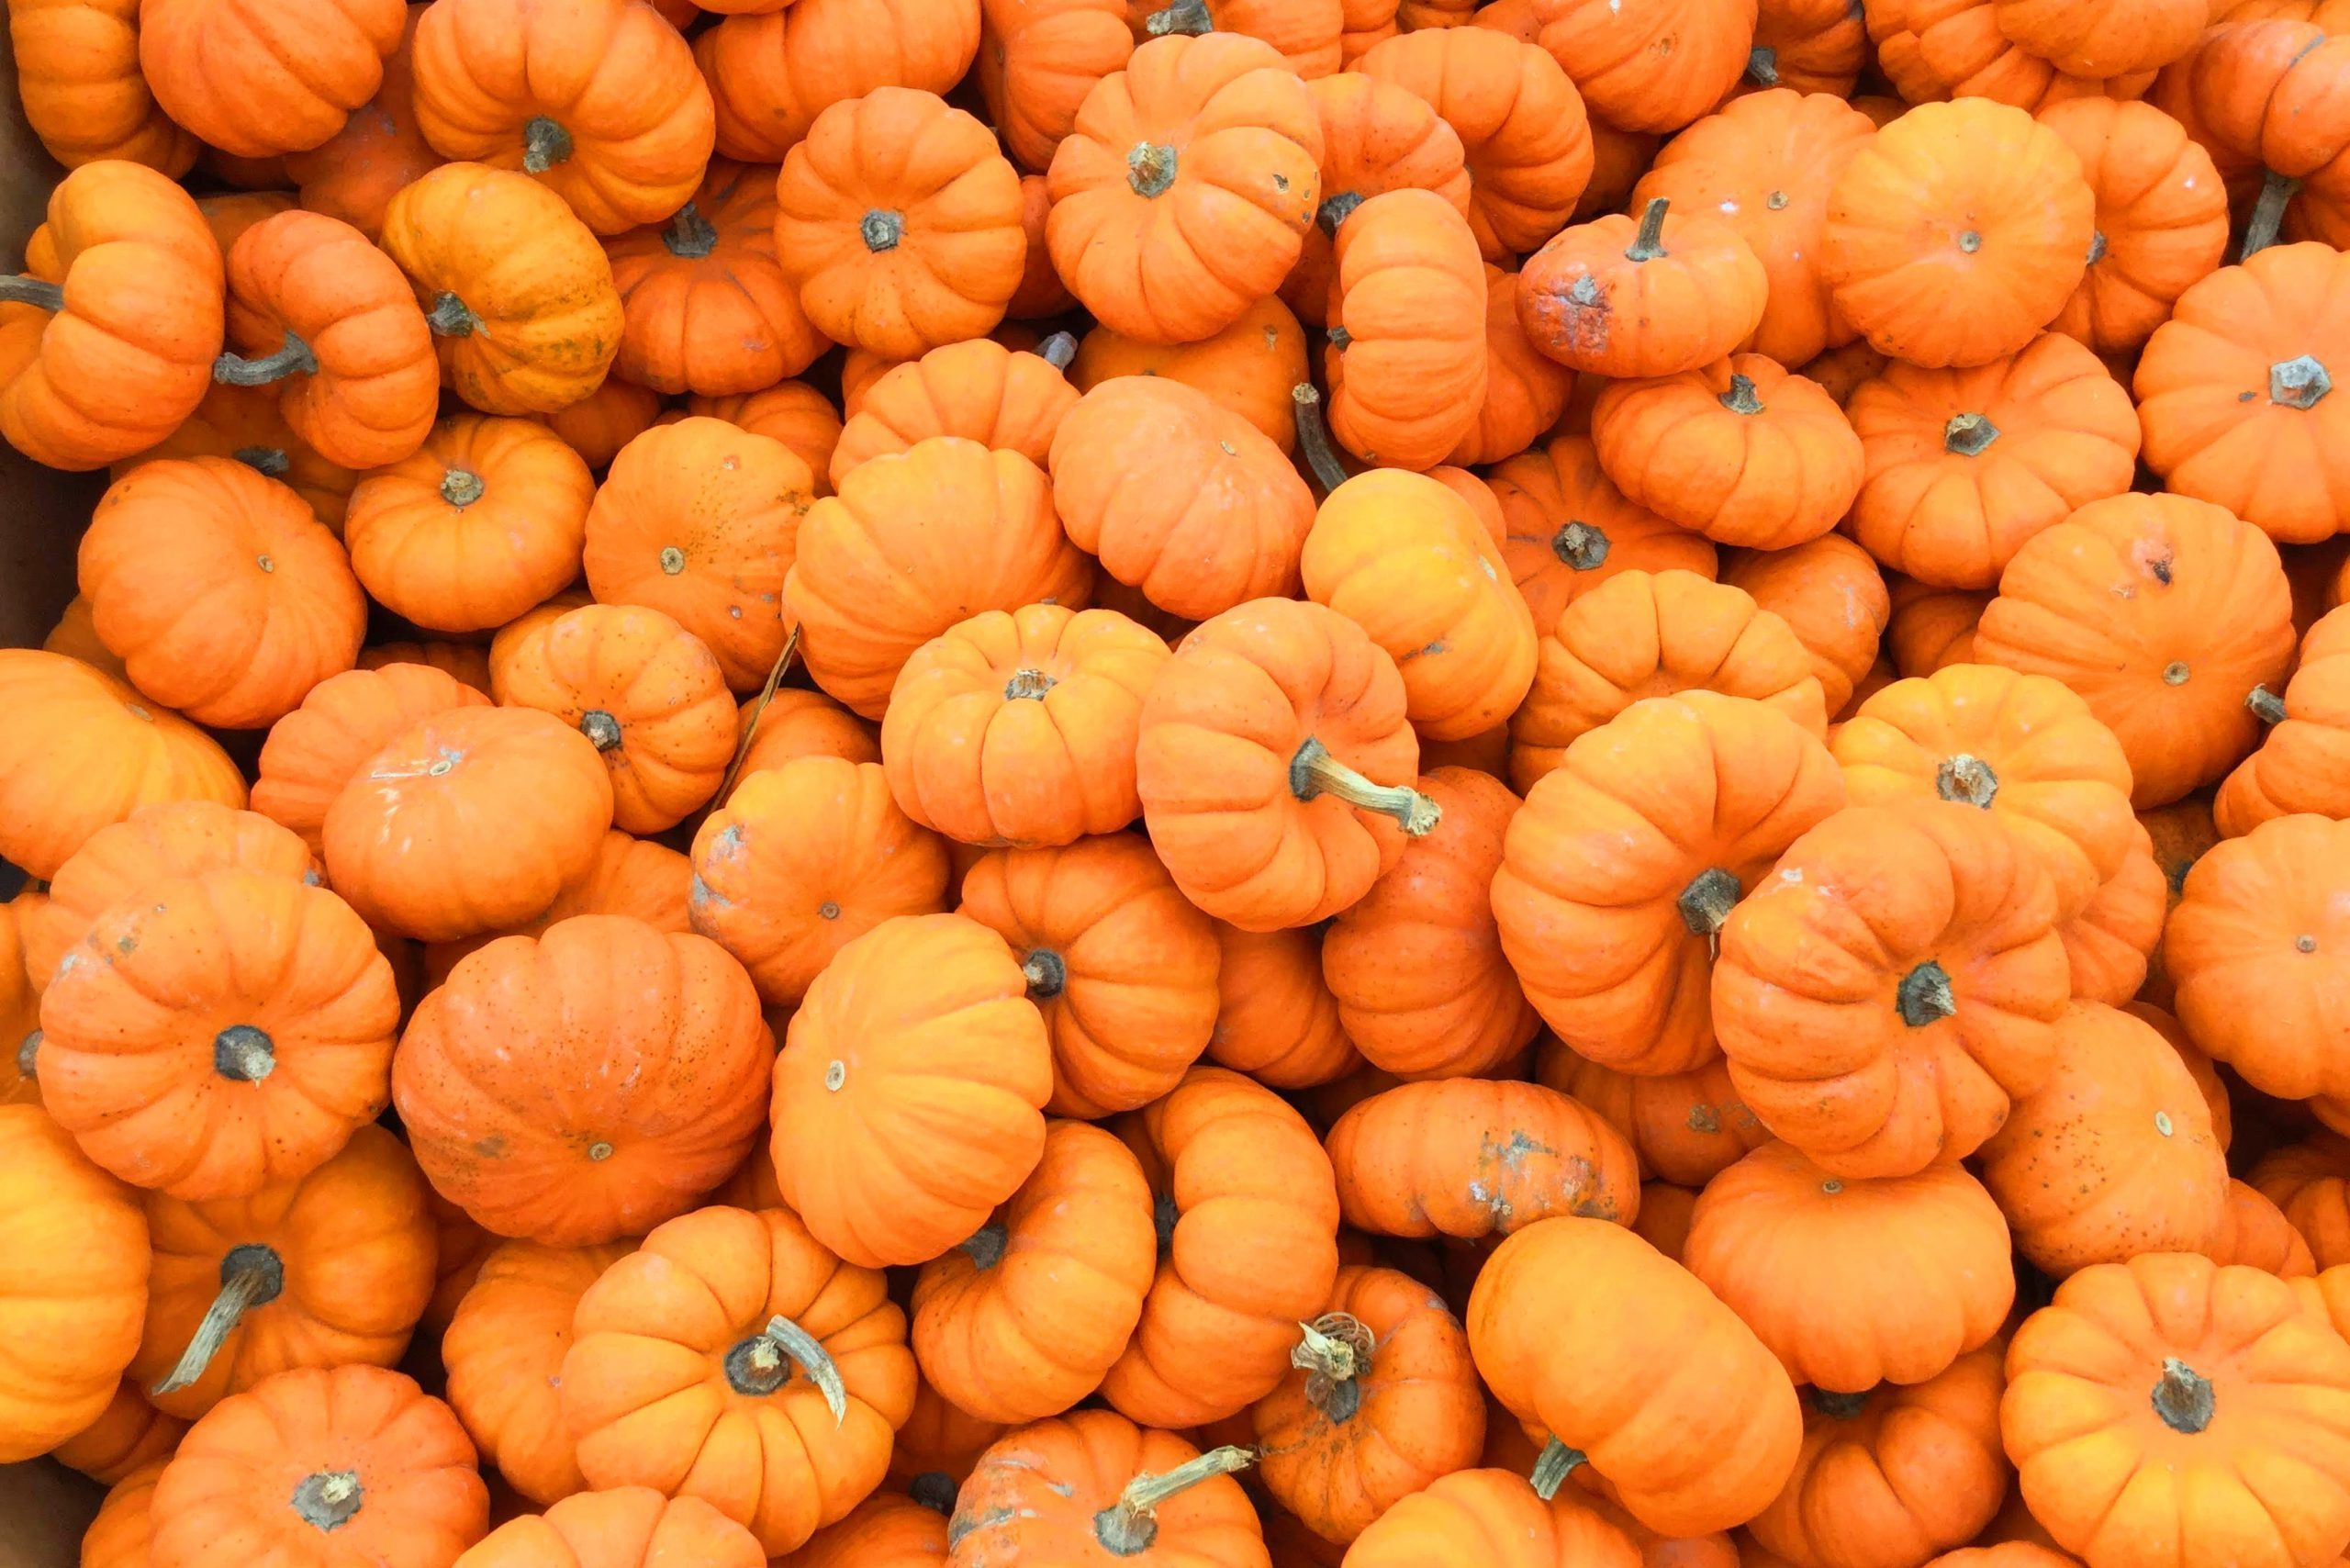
(83, 750)
(1249, 368)
(623, 1527)
(1927, 1002)
(2310, 1184)
(129, 1436)
(978, 390)
(77, 1246)
(1763, 167)
(1121, 967)
(517, 291)
(326, 1269)
(112, 369)
(379, 151)
(2129, 38)
(608, 418)
(229, 214)
(2162, 217)
(1640, 634)
(937, 1447)
(1276, 1019)
(19, 1004)
(1218, 127)
(1955, 49)
(465, 663)
(1376, 138)
(2247, 91)
(1020, 1320)
(1306, 33)
(888, 1530)
(209, 1080)
(77, 73)
(1620, 298)
(2159, 1362)
(1654, 68)
(319, 748)
(1247, 1219)
(246, 423)
(483, 522)
(1739, 449)
(1380, 1399)
(2292, 770)
(771, 72)
(461, 1247)
(2254, 1232)
(1492, 1518)
(1894, 1474)
(120, 1531)
(2162, 613)
(1262, 742)
(515, 85)
(634, 877)
(1840, 370)
(1814, 49)
(1687, 1127)
(1831, 596)
(1178, 496)
(1931, 628)
(1038, 59)
(226, 73)
(766, 1336)
(504, 1351)
(1957, 234)
(1525, 392)
(75, 634)
(1964, 466)
(1569, 529)
(1093, 1485)
(791, 724)
(793, 413)
(1407, 361)
(2231, 392)
(1467, 1157)
(1581, 1326)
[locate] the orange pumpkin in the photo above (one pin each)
(1652, 68)
(129, 1436)
(1491, 1518)
(937, 1447)
(623, 1527)
(313, 752)
(794, 412)
(77, 73)
(790, 723)
(2162, 217)
(1619, 298)
(1525, 392)
(120, 1531)
(978, 389)
(225, 71)
(1407, 363)
(608, 418)
(1276, 1020)
(1466, 1158)
(1376, 137)
(1814, 49)
(2254, 1232)
(886, 1530)
(467, 663)
(354, 173)
(1094, 1486)
(1250, 369)
(1831, 596)
(2293, 770)
(1038, 59)
(1687, 1127)
(771, 72)
(633, 877)
(1569, 528)
(246, 423)
(1931, 628)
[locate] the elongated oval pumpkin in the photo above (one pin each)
(1466, 1158)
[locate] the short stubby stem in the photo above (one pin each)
(2298, 383)
(2183, 1397)
(461, 487)
(1705, 904)
(1150, 168)
(29, 1056)
(1335, 210)
(882, 229)
(1580, 545)
(602, 729)
(1059, 351)
(2277, 192)
(1741, 399)
(1925, 996)
(987, 1244)
(1840, 1406)
(1552, 1466)
(243, 1054)
(1335, 1352)
(1968, 435)
(1046, 973)
(689, 235)
(273, 461)
(1763, 66)
(1313, 772)
(544, 144)
(329, 1499)
(293, 358)
(1967, 780)
(451, 317)
(1028, 684)
(2266, 705)
(1190, 18)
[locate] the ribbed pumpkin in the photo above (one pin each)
(2162, 217)
(1466, 1158)
(1569, 528)
(1376, 137)
(772, 71)
(1038, 59)
(1276, 1020)
(313, 752)
(1251, 367)
(1093, 1486)
(1657, 296)
(1687, 1127)
(2295, 766)
(634, 877)
(1490, 1518)
(1619, 61)
(224, 72)
(978, 389)
(626, 1526)
(1407, 361)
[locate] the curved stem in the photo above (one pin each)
(1968, 434)
(293, 358)
(1128, 1527)
(2268, 213)
(2266, 705)
(690, 234)
(1966, 779)
(1334, 1351)
(1335, 210)
(544, 144)
(1649, 243)
(328, 1498)
(1058, 350)
(1705, 904)
(1556, 1462)
(19, 289)
(761, 1364)
(1925, 996)
(1313, 772)
(1314, 437)
(2183, 1397)
(250, 1277)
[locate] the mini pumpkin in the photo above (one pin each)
(2293, 767)
(1687, 1127)
(2254, 1231)
(1832, 596)
(130, 1437)
(1276, 1020)
(1471, 1158)
(888, 1530)
(1376, 137)
(1038, 59)
(791, 724)
(794, 412)
(1094, 1486)
(2162, 217)
(608, 418)
(1569, 529)
(634, 877)
(120, 1531)
(772, 73)
(623, 1528)
(246, 423)
(1491, 1518)
(1407, 363)
(313, 752)
(1250, 369)
(1619, 57)
(77, 73)
(1624, 298)
(978, 389)
(354, 173)
(225, 73)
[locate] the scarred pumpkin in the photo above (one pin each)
(1625, 298)
(1471, 1158)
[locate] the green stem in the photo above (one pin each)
(1648, 245)
(22, 290)
(1128, 1527)
(1552, 1469)
(293, 358)
(1313, 772)
(1314, 437)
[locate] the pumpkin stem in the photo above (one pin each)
(2268, 213)
(935, 1490)
(600, 728)
(758, 709)
(762, 1364)
(1966, 779)
(2175, 673)
(29, 1056)
(461, 487)
(1340, 339)
(1925, 995)
(242, 1054)
(1552, 1469)
(1046, 973)
(1313, 772)
(1058, 350)
(1164, 1218)
(1968, 434)
(690, 234)
(882, 227)
(251, 1276)
(1740, 398)
(1706, 902)
(1150, 168)
(1763, 66)
(293, 358)
(19, 289)
(1313, 436)
(2183, 1398)
(1029, 684)
(273, 461)
(544, 144)
(1127, 1527)
(2299, 383)
(1840, 1406)
(451, 317)
(1334, 1354)
(1580, 545)
(987, 1244)
(1189, 18)
(1336, 210)
(328, 1498)
(1648, 245)
(2266, 705)
(2097, 246)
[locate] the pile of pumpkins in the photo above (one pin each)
(1196, 783)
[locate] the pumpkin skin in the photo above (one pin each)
(1123, 969)
(267, 1470)
(77, 72)
(2293, 768)
(1178, 496)
(899, 223)
(76, 1241)
(1246, 1200)
(1918, 1265)
(1391, 1406)
(1491, 1518)
(467, 663)
(1020, 1321)
(1640, 634)
(1569, 528)
(129, 1060)
(130, 1437)
(1038, 59)
(1970, 952)
(245, 423)
(84, 750)
(1046, 1492)
(221, 592)
(1407, 363)
(1887, 1477)
(772, 73)
(1238, 147)
(940, 1440)
(119, 1532)
(1895, 253)
(518, 292)
(1618, 58)
(504, 1351)
(793, 413)
(1964, 466)
(957, 1024)
(1686, 1128)
(1376, 138)
(2306, 1181)
(1630, 299)
(2162, 612)
(482, 523)
(1469, 1159)
(1524, 393)
(1741, 451)
(707, 308)
(2162, 217)
(1261, 741)
(2254, 1232)
(2078, 1422)
(224, 72)
(1813, 49)
(2231, 415)
(1250, 368)
(354, 173)
(608, 418)
(1831, 596)
(661, 1379)
(2115, 43)
(886, 1530)
(1670, 1397)
(624, 1527)
(347, 1255)
(1307, 35)
(634, 877)
(1524, 134)
(1019, 728)
(1276, 1020)
(539, 89)
(979, 391)
(316, 750)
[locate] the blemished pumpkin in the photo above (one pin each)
(1038, 59)
(780, 1357)
(1831, 596)
(2162, 217)
(1219, 130)
(75, 1242)
(328, 1268)
(1376, 138)
(2294, 768)
(313, 752)
(1650, 68)
(978, 389)
(354, 173)
(1623, 297)
(626, 1526)
(378, 1468)
(1247, 1219)
(1020, 1320)
(1250, 368)
(1467, 1157)
(1407, 360)
(1687, 1127)
(1491, 1517)
(1093, 1486)
(1921, 1264)
(1276, 1020)
(1569, 529)
(771, 72)
(225, 74)
(598, 100)
(77, 73)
